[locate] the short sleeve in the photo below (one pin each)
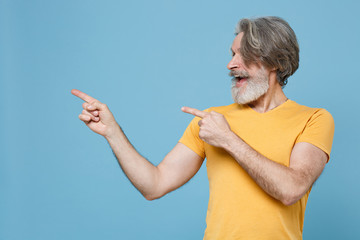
(191, 138)
(319, 131)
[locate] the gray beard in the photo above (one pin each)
(255, 87)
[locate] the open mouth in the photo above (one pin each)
(239, 78)
(239, 81)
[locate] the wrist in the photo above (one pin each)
(230, 140)
(113, 133)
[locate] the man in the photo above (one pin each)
(263, 152)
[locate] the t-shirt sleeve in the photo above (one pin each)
(191, 138)
(319, 131)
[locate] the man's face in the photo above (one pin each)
(249, 83)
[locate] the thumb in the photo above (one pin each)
(97, 106)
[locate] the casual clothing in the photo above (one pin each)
(238, 208)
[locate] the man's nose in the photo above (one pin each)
(233, 64)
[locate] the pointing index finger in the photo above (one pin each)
(194, 111)
(83, 96)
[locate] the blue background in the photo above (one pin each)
(146, 59)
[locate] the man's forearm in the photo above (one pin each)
(279, 181)
(142, 174)
(287, 184)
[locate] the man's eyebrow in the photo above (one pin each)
(233, 51)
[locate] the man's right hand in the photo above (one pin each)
(178, 166)
(96, 115)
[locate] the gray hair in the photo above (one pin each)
(272, 42)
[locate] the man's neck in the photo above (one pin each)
(273, 98)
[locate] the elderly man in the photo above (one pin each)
(264, 152)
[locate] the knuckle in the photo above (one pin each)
(95, 103)
(82, 117)
(201, 135)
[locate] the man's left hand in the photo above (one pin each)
(214, 129)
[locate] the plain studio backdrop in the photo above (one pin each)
(145, 60)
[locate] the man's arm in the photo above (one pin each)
(178, 167)
(287, 184)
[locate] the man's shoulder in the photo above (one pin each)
(310, 114)
(306, 109)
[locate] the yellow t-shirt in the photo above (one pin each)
(238, 208)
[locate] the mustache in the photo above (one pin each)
(239, 73)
